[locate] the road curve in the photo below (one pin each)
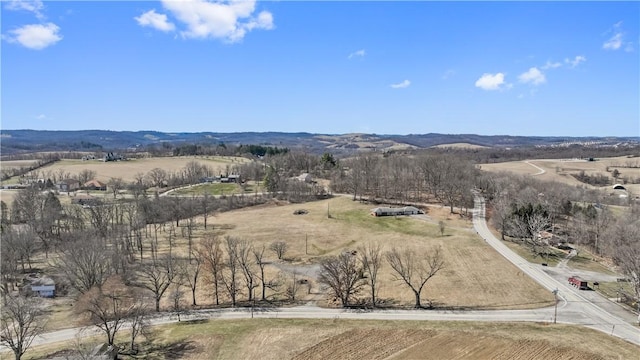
(591, 315)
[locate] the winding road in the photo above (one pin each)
(573, 307)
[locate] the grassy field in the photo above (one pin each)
(475, 275)
(307, 339)
(460, 146)
(561, 169)
(127, 170)
(218, 189)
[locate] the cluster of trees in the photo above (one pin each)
(405, 179)
(523, 208)
(350, 273)
(595, 179)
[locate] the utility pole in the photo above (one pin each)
(555, 310)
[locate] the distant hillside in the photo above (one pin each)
(17, 141)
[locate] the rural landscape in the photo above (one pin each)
(330, 180)
(196, 250)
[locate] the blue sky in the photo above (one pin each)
(514, 68)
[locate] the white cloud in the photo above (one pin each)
(447, 74)
(401, 85)
(157, 21)
(616, 41)
(35, 36)
(533, 76)
(227, 20)
(490, 81)
(551, 65)
(34, 6)
(576, 61)
(359, 53)
(41, 117)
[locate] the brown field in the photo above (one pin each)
(561, 169)
(128, 169)
(475, 275)
(460, 146)
(7, 196)
(308, 339)
(16, 163)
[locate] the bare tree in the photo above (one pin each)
(85, 261)
(258, 254)
(292, 286)
(107, 307)
(229, 276)
(245, 261)
(343, 275)
(192, 274)
(626, 249)
(279, 248)
(115, 185)
(85, 175)
(157, 177)
(415, 269)
(21, 320)
(371, 260)
(140, 324)
(157, 277)
(210, 254)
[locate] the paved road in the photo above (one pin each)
(577, 307)
(573, 307)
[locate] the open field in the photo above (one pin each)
(475, 276)
(16, 163)
(218, 189)
(127, 170)
(7, 196)
(460, 146)
(561, 169)
(308, 339)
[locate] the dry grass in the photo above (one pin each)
(475, 275)
(127, 170)
(16, 163)
(561, 169)
(460, 146)
(352, 339)
(7, 196)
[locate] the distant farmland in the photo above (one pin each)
(128, 169)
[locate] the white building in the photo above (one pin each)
(44, 287)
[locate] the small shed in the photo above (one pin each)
(44, 287)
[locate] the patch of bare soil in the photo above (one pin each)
(459, 346)
(363, 344)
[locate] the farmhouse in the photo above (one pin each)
(43, 287)
(95, 185)
(68, 185)
(387, 211)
